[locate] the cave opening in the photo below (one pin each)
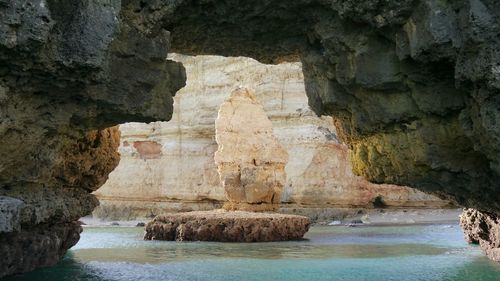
(411, 88)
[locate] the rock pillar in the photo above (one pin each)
(250, 160)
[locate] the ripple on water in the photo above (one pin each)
(432, 252)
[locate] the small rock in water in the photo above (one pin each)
(114, 223)
(354, 223)
(140, 224)
(335, 223)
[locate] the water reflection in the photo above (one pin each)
(195, 251)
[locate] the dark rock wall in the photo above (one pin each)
(417, 100)
(68, 71)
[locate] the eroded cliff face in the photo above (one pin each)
(169, 166)
(484, 229)
(413, 85)
(64, 82)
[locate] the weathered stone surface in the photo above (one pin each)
(413, 85)
(169, 167)
(51, 205)
(250, 160)
(68, 71)
(43, 245)
(10, 210)
(227, 226)
(483, 229)
(408, 101)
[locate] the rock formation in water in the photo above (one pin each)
(251, 165)
(169, 167)
(484, 229)
(250, 160)
(227, 226)
(413, 85)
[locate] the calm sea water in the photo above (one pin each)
(430, 252)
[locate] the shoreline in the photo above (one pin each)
(366, 217)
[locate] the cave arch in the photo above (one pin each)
(413, 86)
(407, 82)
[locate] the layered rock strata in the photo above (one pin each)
(169, 167)
(250, 160)
(483, 229)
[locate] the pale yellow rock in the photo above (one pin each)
(250, 160)
(169, 166)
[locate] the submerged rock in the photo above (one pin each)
(227, 226)
(250, 160)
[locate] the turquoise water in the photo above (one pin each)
(424, 252)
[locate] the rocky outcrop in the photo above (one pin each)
(250, 160)
(169, 167)
(251, 164)
(483, 229)
(43, 245)
(68, 71)
(43, 214)
(227, 226)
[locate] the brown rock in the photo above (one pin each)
(250, 160)
(483, 229)
(227, 226)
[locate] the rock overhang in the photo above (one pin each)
(413, 85)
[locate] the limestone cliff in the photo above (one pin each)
(168, 166)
